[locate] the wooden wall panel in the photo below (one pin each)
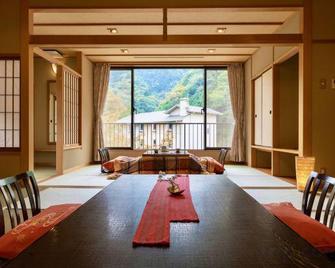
(267, 91)
(258, 111)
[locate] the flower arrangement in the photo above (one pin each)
(174, 187)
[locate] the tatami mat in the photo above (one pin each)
(275, 196)
(259, 181)
(56, 196)
(81, 185)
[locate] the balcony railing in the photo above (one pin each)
(172, 135)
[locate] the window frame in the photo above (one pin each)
(14, 57)
(133, 110)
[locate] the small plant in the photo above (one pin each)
(174, 187)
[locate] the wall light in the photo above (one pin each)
(124, 50)
(211, 50)
(54, 67)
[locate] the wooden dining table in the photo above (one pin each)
(234, 231)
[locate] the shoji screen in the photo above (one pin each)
(267, 108)
(9, 103)
(72, 107)
(263, 125)
(258, 111)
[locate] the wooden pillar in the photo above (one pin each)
(60, 121)
(305, 83)
(27, 89)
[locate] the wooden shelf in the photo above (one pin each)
(287, 151)
(45, 150)
(280, 150)
(262, 148)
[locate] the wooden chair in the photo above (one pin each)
(223, 155)
(12, 194)
(325, 185)
(104, 157)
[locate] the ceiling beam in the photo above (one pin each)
(251, 23)
(165, 27)
(283, 39)
(169, 55)
(63, 24)
(112, 5)
(169, 63)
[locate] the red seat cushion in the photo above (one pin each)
(212, 165)
(317, 234)
(23, 235)
(109, 166)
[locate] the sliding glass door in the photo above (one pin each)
(185, 108)
(219, 116)
(168, 106)
(117, 116)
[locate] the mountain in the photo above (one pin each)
(161, 89)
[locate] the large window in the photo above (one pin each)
(9, 103)
(186, 108)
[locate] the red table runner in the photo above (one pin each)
(161, 209)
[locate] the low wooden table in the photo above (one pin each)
(234, 231)
(160, 159)
(170, 153)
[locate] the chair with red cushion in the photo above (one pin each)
(20, 197)
(104, 157)
(222, 156)
(13, 191)
(313, 229)
(320, 183)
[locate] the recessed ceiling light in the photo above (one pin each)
(211, 50)
(112, 30)
(221, 29)
(124, 50)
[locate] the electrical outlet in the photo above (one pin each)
(333, 83)
(323, 83)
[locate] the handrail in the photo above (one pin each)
(173, 135)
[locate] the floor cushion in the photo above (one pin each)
(317, 234)
(212, 165)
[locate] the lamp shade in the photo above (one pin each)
(304, 166)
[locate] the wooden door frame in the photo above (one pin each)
(28, 43)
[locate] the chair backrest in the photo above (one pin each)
(319, 183)
(104, 157)
(223, 155)
(14, 192)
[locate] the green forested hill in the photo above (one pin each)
(160, 89)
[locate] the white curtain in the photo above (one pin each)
(100, 87)
(237, 96)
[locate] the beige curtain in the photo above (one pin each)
(237, 96)
(100, 86)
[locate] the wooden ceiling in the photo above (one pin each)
(160, 22)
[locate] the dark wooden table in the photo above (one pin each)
(234, 231)
(170, 153)
(161, 158)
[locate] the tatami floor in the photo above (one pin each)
(81, 185)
